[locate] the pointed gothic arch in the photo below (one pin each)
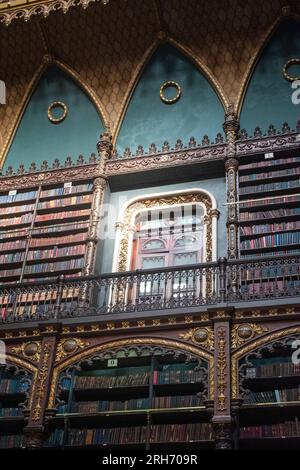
(47, 62)
(266, 40)
(146, 59)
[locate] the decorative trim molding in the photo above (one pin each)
(244, 332)
(122, 245)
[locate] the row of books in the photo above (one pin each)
(276, 369)
(10, 412)
(15, 196)
(267, 228)
(10, 273)
(23, 219)
(16, 209)
(289, 252)
(270, 201)
(12, 257)
(71, 189)
(54, 228)
(286, 429)
(55, 267)
(11, 441)
(268, 272)
(56, 252)
(177, 376)
(106, 405)
(62, 215)
(106, 381)
(85, 437)
(269, 174)
(181, 432)
(15, 245)
(276, 239)
(274, 396)
(70, 201)
(260, 188)
(267, 288)
(269, 214)
(54, 241)
(176, 402)
(270, 163)
(13, 386)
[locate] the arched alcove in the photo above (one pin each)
(268, 99)
(38, 139)
(148, 119)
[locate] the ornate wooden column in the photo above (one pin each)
(34, 431)
(104, 147)
(231, 127)
(222, 422)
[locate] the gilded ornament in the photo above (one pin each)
(221, 369)
(286, 66)
(41, 384)
(69, 346)
(31, 350)
(170, 84)
(202, 336)
(55, 105)
(125, 324)
(172, 320)
(245, 332)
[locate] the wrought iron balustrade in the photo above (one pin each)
(189, 286)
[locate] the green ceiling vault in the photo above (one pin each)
(148, 120)
(268, 99)
(37, 139)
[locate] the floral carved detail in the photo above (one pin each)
(245, 332)
(200, 336)
(221, 369)
(41, 383)
(30, 350)
(69, 346)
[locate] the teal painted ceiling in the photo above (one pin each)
(269, 96)
(37, 139)
(148, 120)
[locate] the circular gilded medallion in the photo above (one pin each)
(53, 106)
(170, 84)
(70, 345)
(245, 332)
(30, 349)
(200, 335)
(286, 74)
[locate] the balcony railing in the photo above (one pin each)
(184, 287)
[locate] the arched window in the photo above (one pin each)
(166, 237)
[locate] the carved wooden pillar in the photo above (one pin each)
(34, 432)
(222, 421)
(231, 127)
(104, 147)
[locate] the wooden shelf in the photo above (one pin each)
(264, 383)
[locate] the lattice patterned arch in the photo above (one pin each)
(109, 349)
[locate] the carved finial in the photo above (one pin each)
(9, 171)
(32, 167)
(285, 128)
(80, 160)
(56, 163)
(243, 134)
(152, 148)
(140, 150)
(179, 144)
(127, 153)
(165, 147)
(68, 161)
(271, 130)
(114, 154)
(231, 120)
(257, 132)
(92, 158)
(219, 138)
(192, 142)
(205, 140)
(21, 169)
(48, 58)
(105, 142)
(44, 165)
